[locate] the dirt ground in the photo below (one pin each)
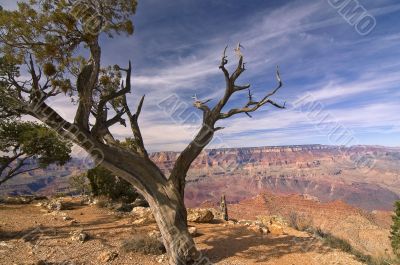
(29, 234)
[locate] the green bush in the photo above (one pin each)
(105, 183)
(395, 232)
(79, 184)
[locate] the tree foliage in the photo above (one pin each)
(22, 142)
(104, 182)
(80, 184)
(52, 31)
(395, 232)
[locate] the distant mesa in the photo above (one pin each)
(362, 176)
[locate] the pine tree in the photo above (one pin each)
(395, 233)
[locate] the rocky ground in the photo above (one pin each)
(76, 233)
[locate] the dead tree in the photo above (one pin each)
(58, 45)
(165, 194)
(224, 208)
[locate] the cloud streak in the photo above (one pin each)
(177, 47)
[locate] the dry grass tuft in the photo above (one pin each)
(145, 244)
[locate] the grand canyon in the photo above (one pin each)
(346, 191)
(367, 177)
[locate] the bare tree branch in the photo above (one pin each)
(10, 160)
(117, 118)
(211, 116)
(15, 170)
(124, 88)
(224, 61)
(35, 93)
(240, 88)
(87, 80)
(133, 119)
(100, 129)
(202, 105)
(252, 106)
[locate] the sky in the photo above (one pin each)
(341, 76)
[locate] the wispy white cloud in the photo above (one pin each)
(356, 78)
(334, 92)
(264, 42)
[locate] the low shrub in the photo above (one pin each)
(102, 201)
(301, 222)
(343, 245)
(16, 200)
(145, 244)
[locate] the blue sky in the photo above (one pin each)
(347, 84)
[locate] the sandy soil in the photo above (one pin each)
(29, 233)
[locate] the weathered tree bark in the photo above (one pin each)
(224, 208)
(165, 201)
(171, 220)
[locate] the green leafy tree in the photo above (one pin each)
(104, 182)
(80, 184)
(27, 146)
(56, 43)
(395, 232)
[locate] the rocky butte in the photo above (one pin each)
(367, 177)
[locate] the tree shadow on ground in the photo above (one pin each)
(240, 241)
(59, 232)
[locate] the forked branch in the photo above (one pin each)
(137, 134)
(252, 105)
(202, 105)
(211, 116)
(102, 125)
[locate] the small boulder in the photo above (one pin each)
(161, 259)
(108, 256)
(5, 244)
(85, 200)
(140, 202)
(265, 220)
(218, 215)
(255, 228)
(56, 205)
(80, 236)
(83, 237)
(124, 207)
(154, 234)
(192, 231)
(274, 224)
(264, 230)
(245, 222)
(200, 215)
(142, 215)
(275, 229)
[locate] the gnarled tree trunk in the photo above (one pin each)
(170, 215)
(166, 204)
